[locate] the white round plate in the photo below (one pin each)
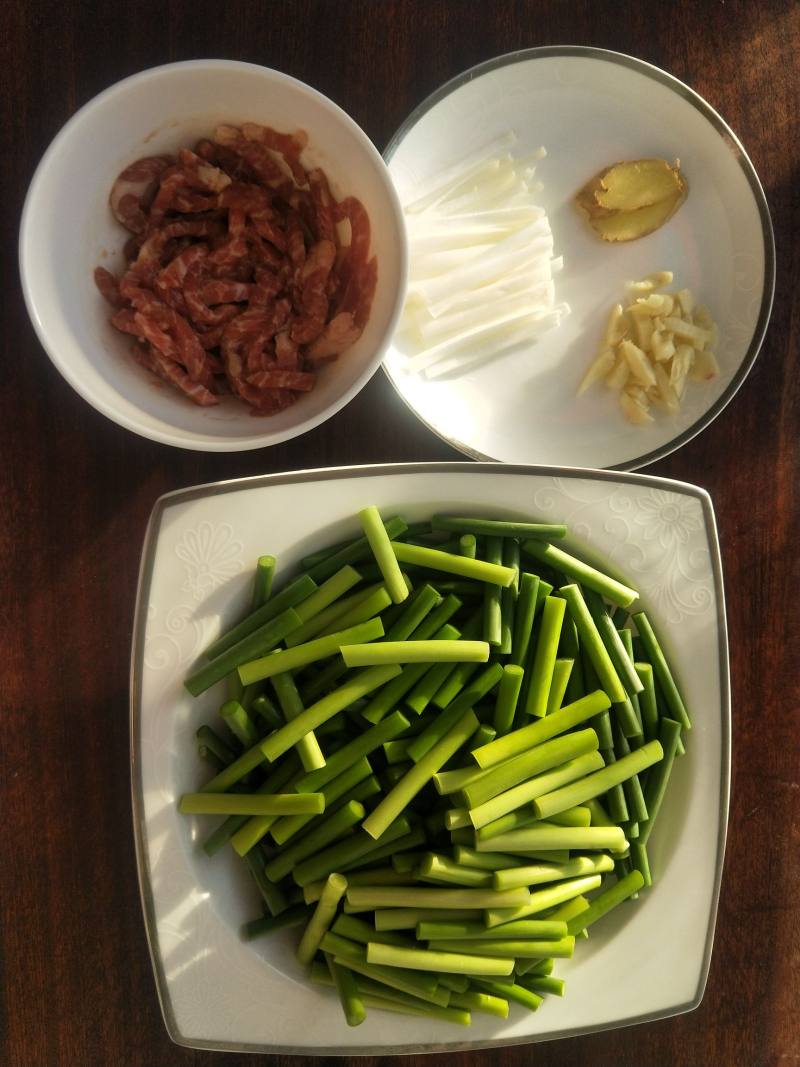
(590, 108)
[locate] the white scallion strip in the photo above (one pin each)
(493, 274)
(440, 184)
(439, 239)
(482, 262)
(489, 347)
(530, 271)
(502, 188)
(432, 354)
(438, 330)
(504, 256)
(514, 216)
(435, 264)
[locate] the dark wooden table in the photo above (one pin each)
(76, 986)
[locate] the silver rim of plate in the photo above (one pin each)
(220, 488)
(737, 150)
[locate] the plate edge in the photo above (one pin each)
(210, 489)
(143, 872)
(751, 176)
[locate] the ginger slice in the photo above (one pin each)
(638, 184)
(631, 225)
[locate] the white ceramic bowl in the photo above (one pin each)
(67, 230)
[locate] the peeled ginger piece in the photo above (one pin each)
(631, 225)
(631, 199)
(629, 186)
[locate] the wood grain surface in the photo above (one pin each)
(76, 986)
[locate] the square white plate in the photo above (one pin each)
(647, 961)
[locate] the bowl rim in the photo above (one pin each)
(695, 100)
(443, 468)
(177, 437)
